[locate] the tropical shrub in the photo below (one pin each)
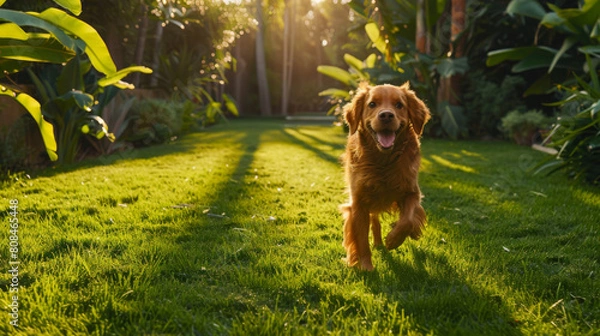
(487, 102)
(178, 69)
(153, 121)
(579, 30)
(54, 36)
(213, 110)
(187, 77)
(523, 127)
(113, 106)
(191, 118)
(577, 138)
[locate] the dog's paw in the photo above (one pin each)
(362, 265)
(416, 234)
(368, 268)
(396, 237)
(351, 259)
(393, 242)
(366, 265)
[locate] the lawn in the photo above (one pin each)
(235, 230)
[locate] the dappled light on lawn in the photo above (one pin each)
(449, 164)
(236, 230)
(175, 211)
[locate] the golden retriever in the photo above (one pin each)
(381, 164)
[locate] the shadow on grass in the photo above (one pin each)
(509, 231)
(212, 249)
(178, 146)
(211, 271)
(334, 144)
(294, 137)
(424, 283)
(181, 271)
(426, 287)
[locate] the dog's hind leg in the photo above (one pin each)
(376, 228)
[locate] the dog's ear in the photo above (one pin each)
(418, 113)
(353, 111)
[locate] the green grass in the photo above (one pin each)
(236, 231)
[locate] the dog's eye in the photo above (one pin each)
(372, 104)
(398, 105)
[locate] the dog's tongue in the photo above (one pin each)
(386, 139)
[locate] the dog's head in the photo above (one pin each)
(385, 111)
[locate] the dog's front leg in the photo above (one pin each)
(356, 237)
(411, 222)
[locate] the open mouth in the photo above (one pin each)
(385, 138)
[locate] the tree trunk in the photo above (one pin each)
(141, 43)
(449, 89)
(239, 75)
(456, 48)
(292, 48)
(286, 53)
(421, 34)
(261, 64)
(156, 54)
(289, 38)
(457, 27)
(113, 42)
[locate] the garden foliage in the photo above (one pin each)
(153, 121)
(185, 76)
(523, 127)
(487, 102)
(55, 36)
(403, 62)
(577, 137)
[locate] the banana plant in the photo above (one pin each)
(391, 26)
(67, 103)
(357, 72)
(53, 36)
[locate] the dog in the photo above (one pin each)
(381, 164)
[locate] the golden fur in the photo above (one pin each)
(381, 163)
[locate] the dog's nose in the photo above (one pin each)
(385, 116)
